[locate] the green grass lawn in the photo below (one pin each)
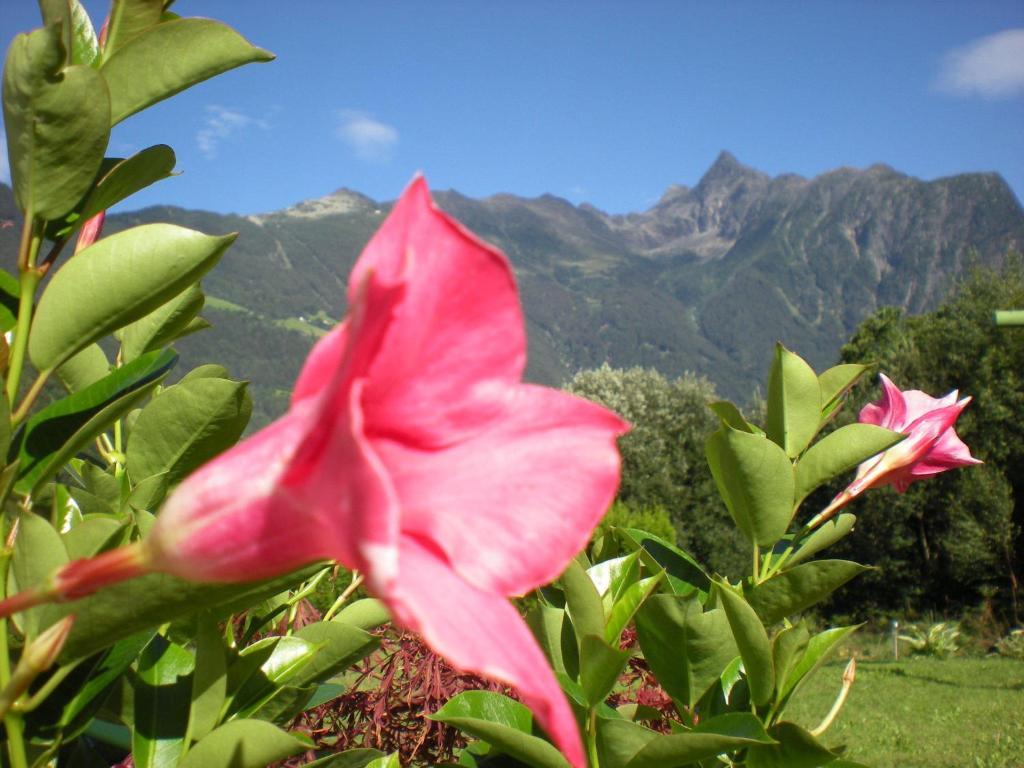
(924, 713)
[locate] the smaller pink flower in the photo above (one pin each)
(931, 446)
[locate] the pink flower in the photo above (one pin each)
(412, 452)
(931, 446)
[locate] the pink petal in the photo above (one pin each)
(890, 411)
(480, 632)
(324, 360)
(920, 403)
(457, 342)
(512, 505)
(224, 522)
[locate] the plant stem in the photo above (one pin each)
(26, 298)
(357, 579)
(592, 738)
(30, 398)
(756, 570)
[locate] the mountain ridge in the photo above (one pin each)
(705, 280)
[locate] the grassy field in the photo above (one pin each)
(924, 713)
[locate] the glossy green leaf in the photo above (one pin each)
(600, 667)
(209, 683)
(350, 758)
(683, 574)
(149, 494)
(368, 613)
(58, 123)
(753, 644)
(286, 703)
(85, 48)
(731, 416)
(339, 645)
(388, 761)
(548, 625)
(788, 647)
(618, 741)
(824, 536)
(185, 426)
(582, 601)
(10, 290)
(796, 589)
(839, 452)
(161, 326)
(169, 57)
(819, 648)
(116, 281)
(504, 723)
(56, 433)
(149, 601)
(244, 744)
(755, 480)
(796, 748)
(207, 371)
(91, 536)
(84, 368)
(626, 606)
(836, 382)
(794, 402)
(685, 646)
(609, 575)
(725, 733)
(262, 668)
(163, 685)
(38, 553)
(127, 19)
(127, 176)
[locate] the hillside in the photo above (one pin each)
(706, 280)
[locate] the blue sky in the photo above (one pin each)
(604, 102)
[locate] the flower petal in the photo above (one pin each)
(511, 506)
(480, 632)
(889, 412)
(457, 341)
(324, 360)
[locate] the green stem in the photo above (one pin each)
(357, 579)
(30, 398)
(592, 738)
(26, 298)
(756, 570)
(37, 698)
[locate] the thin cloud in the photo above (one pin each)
(369, 138)
(5, 168)
(221, 124)
(991, 66)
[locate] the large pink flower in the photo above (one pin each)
(931, 446)
(412, 452)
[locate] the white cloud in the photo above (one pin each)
(220, 124)
(990, 66)
(5, 169)
(370, 139)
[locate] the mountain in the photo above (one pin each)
(706, 280)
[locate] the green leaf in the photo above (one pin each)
(38, 553)
(207, 371)
(162, 691)
(618, 741)
(683, 574)
(725, 733)
(127, 19)
(148, 494)
(825, 535)
(85, 48)
(350, 758)
(794, 402)
(753, 644)
(127, 176)
(836, 382)
(504, 723)
(626, 606)
(548, 625)
(262, 668)
(600, 667)
(209, 683)
(388, 761)
(795, 589)
(161, 326)
(54, 434)
(149, 601)
(117, 281)
(818, 650)
(91, 536)
(788, 646)
(85, 368)
(731, 416)
(368, 613)
(796, 748)
(339, 645)
(755, 480)
(839, 452)
(10, 290)
(169, 57)
(609, 575)
(187, 425)
(684, 646)
(58, 123)
(244, 744)
(583, 602)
